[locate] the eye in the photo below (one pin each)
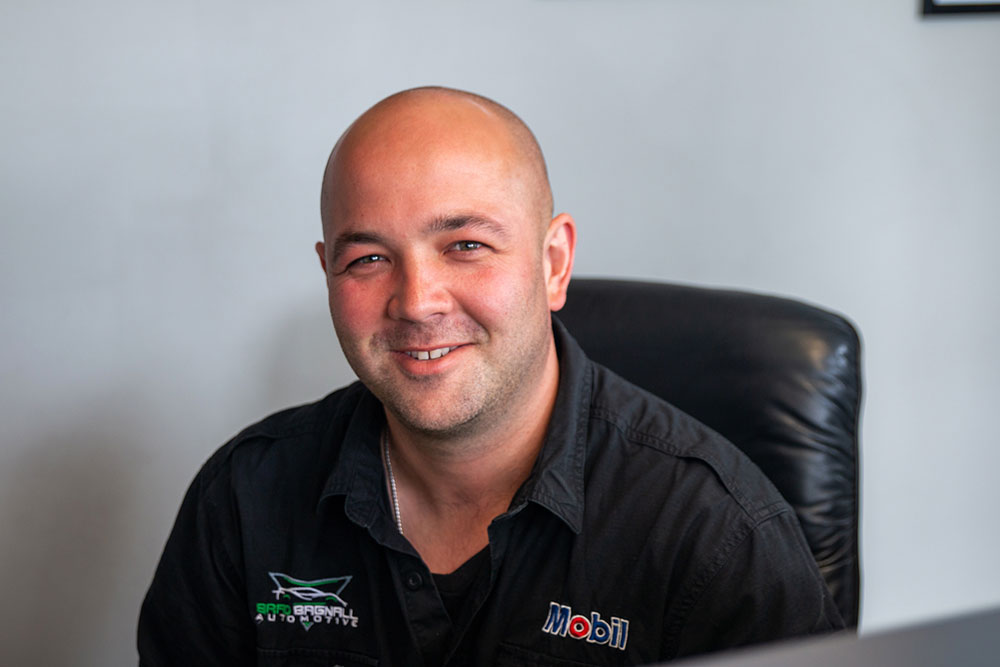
(363, 263)
(466, 246)
(366, 259)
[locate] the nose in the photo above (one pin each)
(420, 292)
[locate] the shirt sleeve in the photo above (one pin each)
(766, 588)
(195, 612)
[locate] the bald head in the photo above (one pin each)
(417, 129)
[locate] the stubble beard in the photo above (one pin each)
(479, 402)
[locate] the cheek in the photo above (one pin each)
(499, 293)
(353, 310)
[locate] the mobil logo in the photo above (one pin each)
(562, 622)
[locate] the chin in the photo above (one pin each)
(442, 419)
(438, 426)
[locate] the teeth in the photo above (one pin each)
(424, 355)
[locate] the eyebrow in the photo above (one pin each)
(445, 223)
(455, 222)
(348, 239)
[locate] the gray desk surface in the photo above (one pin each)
(971, 640)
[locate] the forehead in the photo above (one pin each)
(426, 160)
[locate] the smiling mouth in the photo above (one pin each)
(425, 355)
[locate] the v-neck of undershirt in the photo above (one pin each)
(455, 586)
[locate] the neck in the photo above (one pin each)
(474, 477)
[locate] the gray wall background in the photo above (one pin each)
(160, 171)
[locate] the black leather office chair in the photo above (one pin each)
(779, 378)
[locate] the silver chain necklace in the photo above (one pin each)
(392, 480)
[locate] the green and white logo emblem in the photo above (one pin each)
(320, 602)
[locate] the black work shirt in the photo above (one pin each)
(640, 536)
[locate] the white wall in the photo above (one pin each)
(160, 171)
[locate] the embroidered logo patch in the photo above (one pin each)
(562, 622)
(309, 602)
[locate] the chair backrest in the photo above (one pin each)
(779, 378)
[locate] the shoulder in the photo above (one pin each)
(635, 432)
(719, 529)
(287, 442)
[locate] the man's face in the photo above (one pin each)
(438, 267)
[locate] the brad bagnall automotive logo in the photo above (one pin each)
(309, 602)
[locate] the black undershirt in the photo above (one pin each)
(454, 588)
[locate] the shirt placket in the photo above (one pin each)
(425, 614)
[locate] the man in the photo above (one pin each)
(485, 495)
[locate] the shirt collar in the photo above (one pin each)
(357, 474)
(556, 481)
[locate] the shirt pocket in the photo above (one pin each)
(308, 657)
(509, 655)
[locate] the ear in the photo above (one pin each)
(321, 251)
(557, 255)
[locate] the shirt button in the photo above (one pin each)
(414, 581)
